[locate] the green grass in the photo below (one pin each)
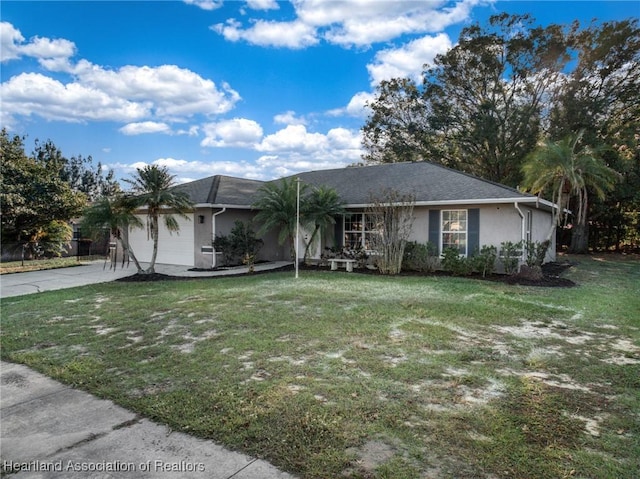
(363, 376)
(37, 265)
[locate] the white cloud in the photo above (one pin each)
(408, 60)
(293, 138)
(239, 132)
(45, 50)
(293, 35)
(143, 127)
(357, 106)
(10, 40)
(349, 22)
(169, 90)
(161, 94)
(263, 4)
(205, 4)
(33, 93)
(188, 170)
(288, 151)
(289, 118)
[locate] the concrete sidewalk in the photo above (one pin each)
(49, 430)
(52, 431)
(17, 284)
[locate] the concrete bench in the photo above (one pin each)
(348, 264)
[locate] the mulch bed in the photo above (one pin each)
(551, 275)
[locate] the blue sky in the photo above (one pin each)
(257, 88)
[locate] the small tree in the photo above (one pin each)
(277, 209)
(422, 257)
(152, 189)
(320, 209)
(391, 216)
(510, 254)
(117, 215)
(241, 245)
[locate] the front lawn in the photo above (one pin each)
(361, 376)
(37, 265)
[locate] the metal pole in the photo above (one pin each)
(297, 222)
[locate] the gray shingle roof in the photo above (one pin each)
(427, 181)
(222, 190)
(430, 183)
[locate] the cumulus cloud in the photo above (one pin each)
(186, 170)
(357, 106)
(263, 4)
(349, 23)
(239, 132)
(47, 51)
(205, 4)
(294, 149)
(289, 118)
(129, 94)
(143, 127)
(292, 35)
(408, 60)
(287, 151)
(33, 93)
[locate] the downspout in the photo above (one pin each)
(213, 231)
(523, 231)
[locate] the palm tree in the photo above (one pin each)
(321, 207)
(115, 214)
(569, 171)
(152, 188)
(277, 207)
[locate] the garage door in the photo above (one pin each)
(173, 248)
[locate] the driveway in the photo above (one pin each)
(17, 284)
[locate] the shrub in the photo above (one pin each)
(241, 246)
(485, 261)
(510, 253)
(536, 252)
(420, 257)
(456, 264)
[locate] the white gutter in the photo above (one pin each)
(213, 230)
(220, 205)
(523, 228)
(483, 201)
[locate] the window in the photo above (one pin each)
(454, 230)
(358, 231)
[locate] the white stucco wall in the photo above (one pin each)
(173, 247)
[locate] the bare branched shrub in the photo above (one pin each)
(390, 219)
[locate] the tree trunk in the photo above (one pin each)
(154, 236)
(579, 239)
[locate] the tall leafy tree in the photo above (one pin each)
(78, 171)
(33, 196)
(320, 209)
(152, 189)
(569, 171)
(115, 214)
(277, 205)
(600, 96)
(480, 107)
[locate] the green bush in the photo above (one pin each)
(510, 253)
(420, 257)
(536, 252)
(456, 264)
(240, 247)
(485, 261)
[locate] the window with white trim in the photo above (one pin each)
(358, 230)
(454, 230)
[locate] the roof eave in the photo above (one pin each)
(476, 201)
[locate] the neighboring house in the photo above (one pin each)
(452, 209)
